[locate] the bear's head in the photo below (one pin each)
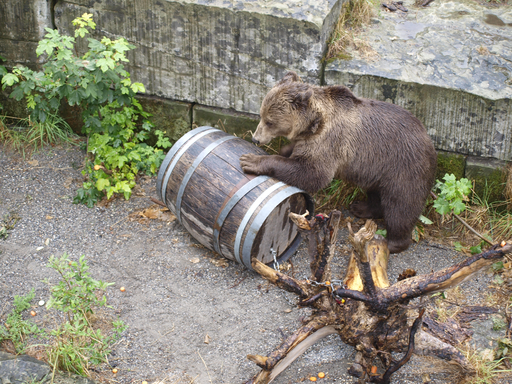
(287, 110)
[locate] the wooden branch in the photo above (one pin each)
(268, 363)
(283, 281)
(373, 319)
(264, 377)
(385, 378)
(428, 345)
(320, 269)
(156, 201)
(446, 278)
(367, 268)
(300, 220)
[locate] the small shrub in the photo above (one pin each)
(77, 344)
(114, 122)
(16, 329)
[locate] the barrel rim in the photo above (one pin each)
(248, 214)
(228, 207)
(172, 152)
(263, 214)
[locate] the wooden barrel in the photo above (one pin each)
(237, 215)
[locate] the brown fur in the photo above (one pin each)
(378, 146)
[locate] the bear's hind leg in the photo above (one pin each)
(401, 211)
(369, 209)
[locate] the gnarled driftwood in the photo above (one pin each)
(364, 309)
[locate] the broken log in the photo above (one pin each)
(363, 308)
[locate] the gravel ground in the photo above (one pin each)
(177, 292)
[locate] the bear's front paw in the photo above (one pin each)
(250, 163)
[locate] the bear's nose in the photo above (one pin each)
(255, 141)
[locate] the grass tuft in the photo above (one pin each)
(337, 195)
(355, 14)
(25, 135)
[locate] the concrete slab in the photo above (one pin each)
(450, 64)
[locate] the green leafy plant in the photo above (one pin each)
(452, 195)
(77, 343)
(114, 121)
(471, 249)
(504, 349)
(3, 71)
(16, 329)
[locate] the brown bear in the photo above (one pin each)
(378, 146)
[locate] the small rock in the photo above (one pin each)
(22, 369)
(487, 355)
(41, 303)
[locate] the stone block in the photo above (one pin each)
(172, 117)
(450, 64)
(11, 107)
(18, 40)
(488, 177)
(219, 53)
(22, 369)
(235, 123)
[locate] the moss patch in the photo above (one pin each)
(172, 117)
(230, 121)
(488, 177)
(448, 162)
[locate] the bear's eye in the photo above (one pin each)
(268, 123)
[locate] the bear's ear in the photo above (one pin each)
(289, 77)
(316, 123)
(300, 97)
(308, 124)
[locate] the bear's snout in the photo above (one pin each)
(257, 142)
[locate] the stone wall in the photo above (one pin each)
(22, 24)
(218, 53)
(212, 61)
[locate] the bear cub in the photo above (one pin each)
(380, 147)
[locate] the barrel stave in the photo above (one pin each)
(221, 206)
(278, 231)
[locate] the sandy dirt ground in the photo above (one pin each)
(192, 315)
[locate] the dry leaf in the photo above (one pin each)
(33, 163)
(220, 262)
(207, 339)
(167, 216)
(150, 213)
(68, 182)
(47, 241)
(156, 212)
(48, 217)
(195, 260)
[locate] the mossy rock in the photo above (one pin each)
(11, 107)
(448, 163)
(172, 117)
(227, 120)
(488, 177)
